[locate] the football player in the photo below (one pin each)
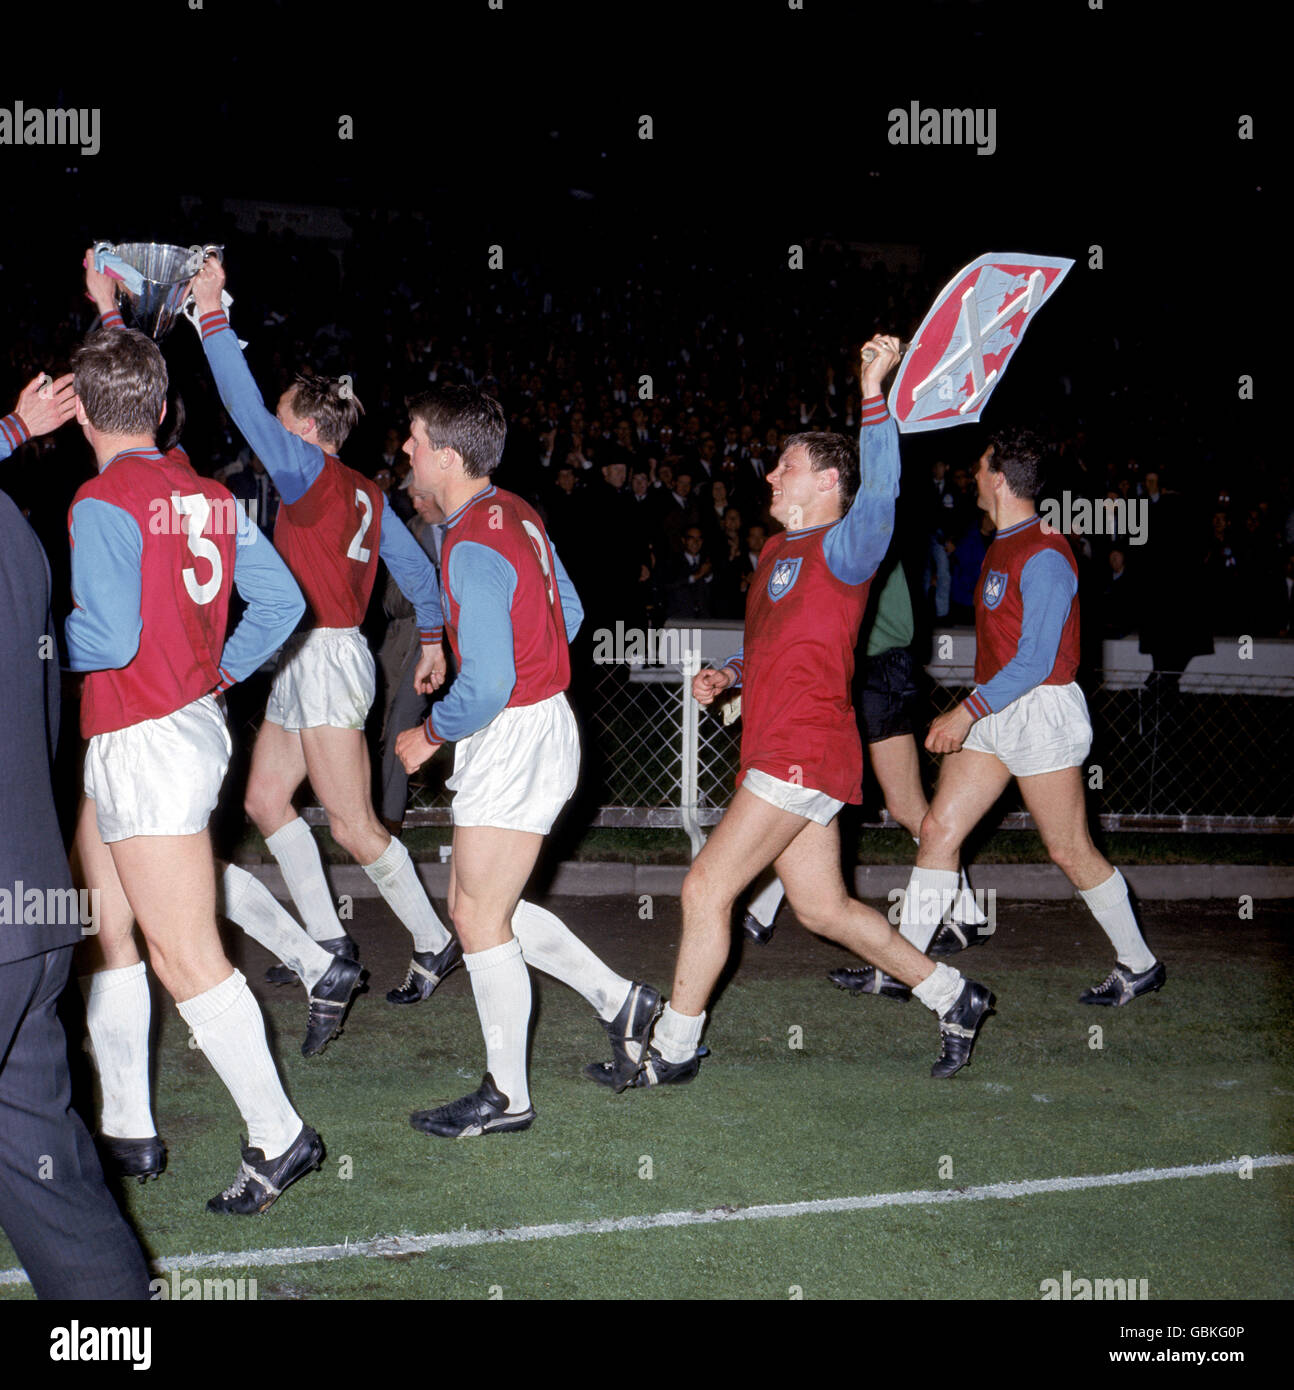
(332, 527)
(156, 553)
(510, 612)
(1027, 719)
(801, 755)
(890, 713)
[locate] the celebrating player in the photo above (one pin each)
(889, 708)
(510, 612)
(801, 756)
(332, 527)
(1027, 719)
(156, 552)
(331, 981)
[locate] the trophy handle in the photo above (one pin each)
(110, 247)
(209, 250)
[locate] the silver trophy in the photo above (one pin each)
(167, 272)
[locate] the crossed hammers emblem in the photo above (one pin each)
(972, 349)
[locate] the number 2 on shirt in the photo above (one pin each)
(357, 550)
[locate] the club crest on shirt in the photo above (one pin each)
(785, 573)
(994, 588)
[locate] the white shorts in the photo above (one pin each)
(325, 676)
(1046, 729)
(161, 777)
(801, 801)
(520, 770)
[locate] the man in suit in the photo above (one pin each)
(54, 1206)
(688, 578)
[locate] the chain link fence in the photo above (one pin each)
(1200, 753)
(1193, 752)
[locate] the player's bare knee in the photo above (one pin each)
(937, 834)
(701, 895)
(463, 913)
(1066, 855)
(909, 814)
(349, 836)
(820, 918)
(265, 809)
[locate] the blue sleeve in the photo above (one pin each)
(1047, 588)
(487, 673)
(738, 664)
(274, 604)
(572, 608)
(857, 543)
(103, 629)
(414, 574)
(289, 460)
(13, 432)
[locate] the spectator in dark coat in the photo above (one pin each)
(689, 579)
(54, 1205)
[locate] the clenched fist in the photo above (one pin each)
(413, 748)
(709, 683)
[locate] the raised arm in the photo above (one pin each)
(274, 604)
(291, 462)
(858, 542)
(102, 290)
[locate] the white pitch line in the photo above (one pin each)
(385, 1246)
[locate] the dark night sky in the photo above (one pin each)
(770, 127)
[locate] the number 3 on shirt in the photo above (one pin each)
(198, 508)
(357, 550)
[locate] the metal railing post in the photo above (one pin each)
(690, 725)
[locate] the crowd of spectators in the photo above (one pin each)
(1147, 553)
(645, 412)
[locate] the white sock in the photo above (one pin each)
(298, 856)
(501, 986)
(1111, 908)
(551, 946)
(929, 895)
(118, 1011)
(763, 906)
(397, 881)
(966, 909)
(256, 910)
(226, 1021)
(677, 1036)
(940, 990)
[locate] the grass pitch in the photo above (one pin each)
(809, 1094)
